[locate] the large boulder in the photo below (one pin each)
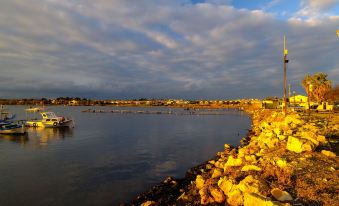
(294, 144)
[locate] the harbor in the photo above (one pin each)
(107, 159)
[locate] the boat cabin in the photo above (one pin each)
(50, 117)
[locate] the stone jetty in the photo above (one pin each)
(285, 160)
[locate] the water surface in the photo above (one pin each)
(108, 158)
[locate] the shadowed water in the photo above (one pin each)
(108, 158)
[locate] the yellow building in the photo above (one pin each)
(298, 99)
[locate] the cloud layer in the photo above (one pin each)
(167, 49)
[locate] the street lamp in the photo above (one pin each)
(285, 62)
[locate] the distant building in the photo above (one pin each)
(271, 104)
(298, 99)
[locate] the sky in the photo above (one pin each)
(173, 49)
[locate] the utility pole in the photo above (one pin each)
(285, 64)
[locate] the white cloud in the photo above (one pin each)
(315, 9)
(169, 48)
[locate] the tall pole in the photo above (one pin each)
(285, 62)
(308, 97)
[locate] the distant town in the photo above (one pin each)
(298, 102)
(77, 101)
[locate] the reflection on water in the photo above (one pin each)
(39, 136)
(44, 136)
(21, 139)
(108, 158)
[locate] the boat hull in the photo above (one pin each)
(66, 123)
(19, 130)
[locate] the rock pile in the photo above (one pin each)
(261, 171)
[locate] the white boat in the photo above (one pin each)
(49, 119)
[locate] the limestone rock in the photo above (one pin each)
(281, 195)
(321, 138)
(235, 198)
(227, 147)
(148, 203)
(199, 181)
(217, 172)
(233, 162)
(311, 136)
(204, 197)
(328, 153)
(217, 195)
(253, 199)
(281, 163)
(250, 158)
(308, 146)
(225, 185)
(249, 184)
(294, 144)
(250, 167)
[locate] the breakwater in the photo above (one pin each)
(186, 111)
(285, 160)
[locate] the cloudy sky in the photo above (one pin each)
(201, 49)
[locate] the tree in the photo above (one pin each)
(317, 86)
(333, 94)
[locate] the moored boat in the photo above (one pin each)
(7, 127)
(49, 119)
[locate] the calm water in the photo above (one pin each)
(108, 158)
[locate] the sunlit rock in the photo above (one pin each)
(250, 158)
(217, 172)
(281, 163)
(294, 144)
(217, 194)
(148, 203)
(321, 138)
(233, 162)
(227, 147)
(205, 198)
(225, 185)
(235, 198)
(199, 181)
(249, 184)
(250, 167)
(253, 199)
(282, 137)
(328, 153)
(310, 136)
(308, 146)
(281, 195)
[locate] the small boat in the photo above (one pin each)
(7, 127)
(49, 119)
(5, 115)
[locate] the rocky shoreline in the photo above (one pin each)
(284, 160)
